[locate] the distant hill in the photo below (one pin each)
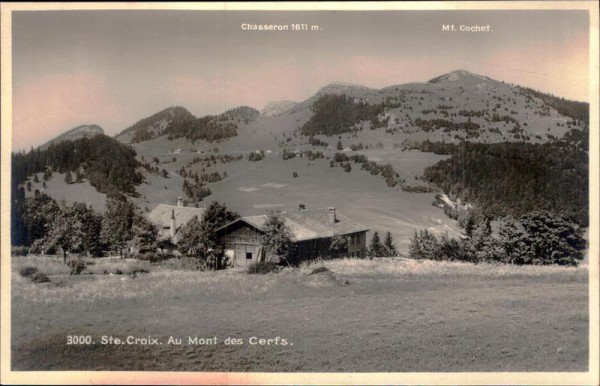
(177, 122)
(83, 131)
(111, 167)
(452, 107)
(276, 108)
(155, 125)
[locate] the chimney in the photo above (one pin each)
(180, 202)
(172, 229)
(331, 213)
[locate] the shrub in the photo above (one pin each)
(295, 174)
(77, 266)
(134, 271)
(256, 155)
(19, 251)
(263, 268)
(28, 271)
(39, 277)
(319, 270)
(287, 154)
(152, 257)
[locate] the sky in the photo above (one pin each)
(113, 68)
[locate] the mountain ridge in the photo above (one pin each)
(81, 131)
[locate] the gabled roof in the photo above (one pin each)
(307, 224)
(161, 215)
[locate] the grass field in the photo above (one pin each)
(393, 315)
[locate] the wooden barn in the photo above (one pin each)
(312, 231)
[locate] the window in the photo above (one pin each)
(248, 255)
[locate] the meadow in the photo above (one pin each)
(346, 315)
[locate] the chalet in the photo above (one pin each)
(168, 219)
(312, 231)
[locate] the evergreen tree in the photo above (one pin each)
(480, 245)
(35, 178)
(376, 249)
(78, 176)
(92, 226)
(68, 178)
(389, 246)
(339, 145)
(424, 245)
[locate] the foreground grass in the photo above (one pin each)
(361, 315)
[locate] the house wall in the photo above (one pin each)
(357, 244)
(245, 244)
(312, 249)
(244, 241)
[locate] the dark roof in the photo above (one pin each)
(308, 224)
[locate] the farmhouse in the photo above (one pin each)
(168, 219)
(312, 231)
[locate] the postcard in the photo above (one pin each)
(326, 193)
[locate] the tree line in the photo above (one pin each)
(49, 227)
(535, 238)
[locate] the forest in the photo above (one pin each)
(336, 114)
(516, 178)
(183, 124)
(576, 110)
(110, 166)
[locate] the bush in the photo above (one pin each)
(256, 156)
(184, 263)
(77, 266)
(263, 268)
(319, 270)
(19, 251)
(28, 271)
(152, 257)
(39, 277)
(134, 271)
